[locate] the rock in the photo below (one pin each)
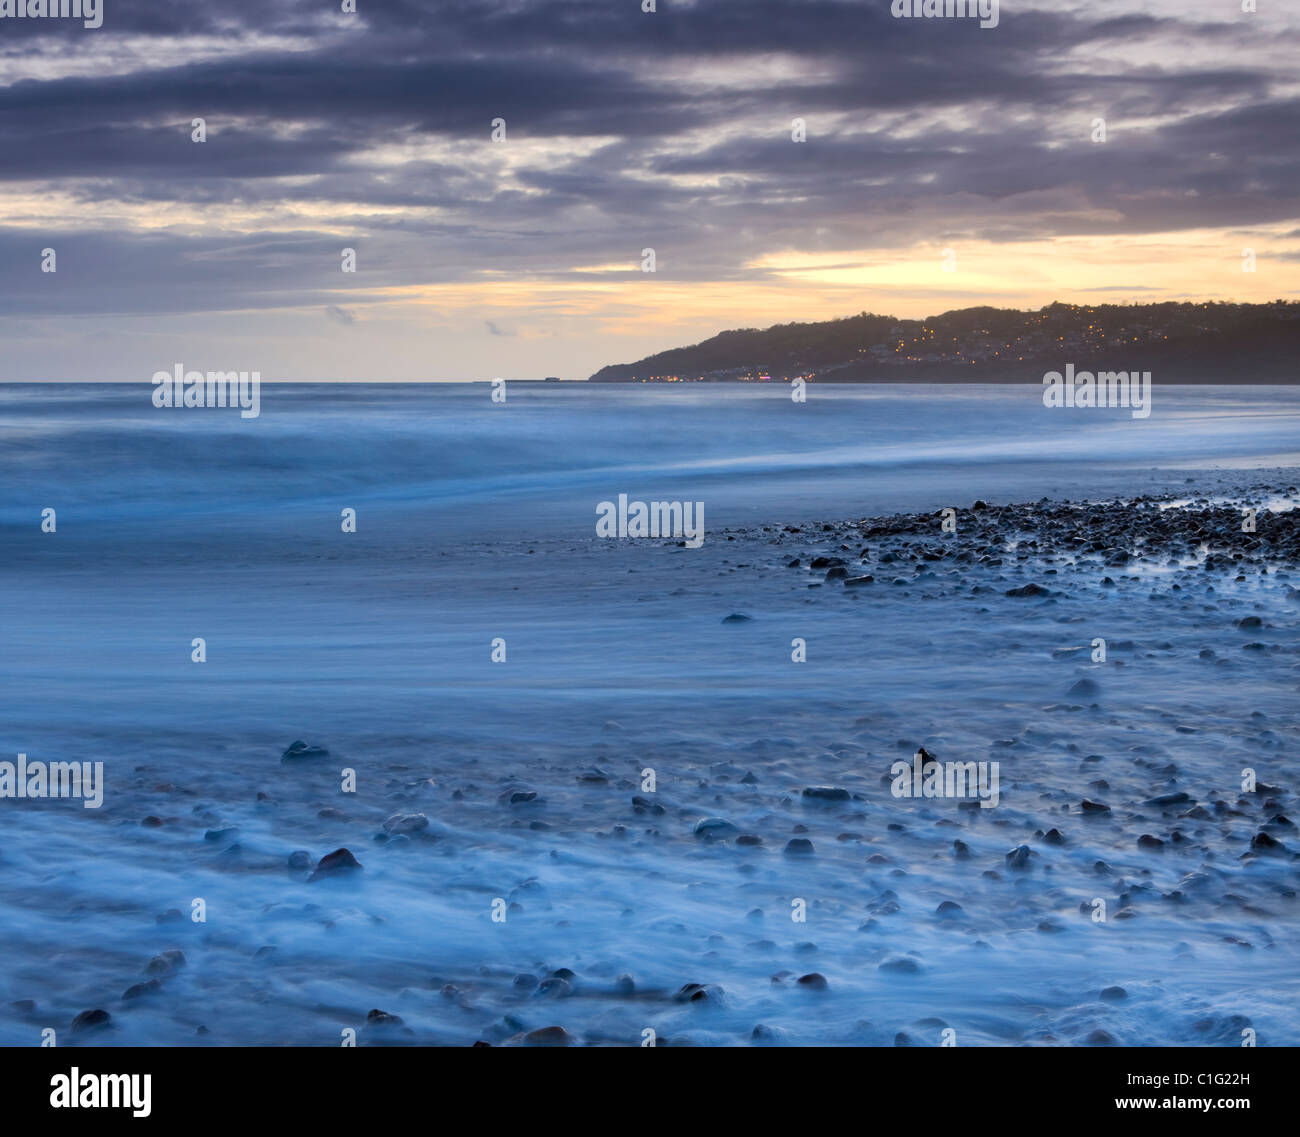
(91, 1020)
(1100, 1038)
(299, 860)
(826, 793)
(736, 618)
(383, 1018)
(1086, 687)
(164, 964)
(949, 910)
(715, 828)
(1113, 994)
(858, 581)
(555, 987)
(799, 847)
(1094, 806)
(749, 839)
(151, 822)
(406, 823)
(814, 981)
(299, 749)
(1169, 799)
(900, 964)
(1030, 589)
(699, 993)
(341, 862)
(1019, 857)
(645, 805)
(139, 990)
(226, 833)
(1146, 841)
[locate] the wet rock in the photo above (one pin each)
(814, 981)
(406, 823)
(699, 993)
(1019, 857)
(826, 793)
(1100, 1038)
(736, 618)
(1146, 841)
(382, 1018)
(715, 828)
(91, 1021)
(644, 805)
(165, 963)
(299, 750)
(798, 847)
(1025, 590)
(1113, 994)
(341, 862)
(900, 965)
(1094, 806)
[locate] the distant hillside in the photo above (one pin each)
(1177, 343)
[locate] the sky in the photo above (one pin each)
(945, 165)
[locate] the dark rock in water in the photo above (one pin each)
(645, 805)
(1100, 1038)
(227, 833)
(383, 1018)
(549, 1036)
(858, 581)
(1226, 1030)
(1030, 589)
(698, 993)
(714, 828)
(1146, 841)
(814, 981)
(949, 910)
(1262, 840)
(338, 863)
(902, 1038)
(1086, 686)
(792, 564)
(1054, 837)
(166, 963)
(1113, 994)
(1169, 799)
(91, 1020)
(839, 572)
(139, 990)
(299, 749)
(521, 797)
(1250, 622)
(979, 505)
(736, 618)
(151, 822)
(553, 988)
(594, 777)
(407, 823)
(826, 793)
(1094, 806)
(900, 964)
(828, 562)
(624, 985)
(960, 850)
(799, 847)
(300, 860)
(480, 1042)
(1019, 857)
(749, 839)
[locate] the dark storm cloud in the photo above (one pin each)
(917, 131)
